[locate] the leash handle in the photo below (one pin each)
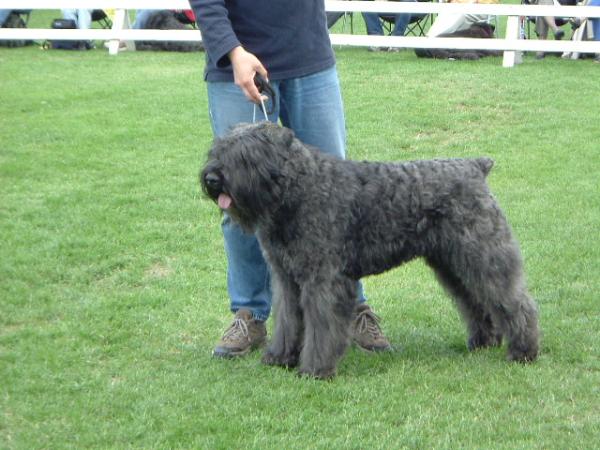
(264, 87)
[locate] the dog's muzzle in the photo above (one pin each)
(213, 185)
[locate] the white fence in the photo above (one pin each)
(511, 44)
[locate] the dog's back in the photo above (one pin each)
(415, 202)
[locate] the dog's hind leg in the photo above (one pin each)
(284, 348)
(327, 306)
(495, 276)
(516, 313)
(481, 329)
(494, 298)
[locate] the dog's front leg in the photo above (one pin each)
(327, 308)
(284, 349)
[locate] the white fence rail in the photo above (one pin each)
(511, 44)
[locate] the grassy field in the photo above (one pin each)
(112, 275)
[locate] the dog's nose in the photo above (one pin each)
(212, 181)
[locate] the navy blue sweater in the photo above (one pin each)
(289, 37)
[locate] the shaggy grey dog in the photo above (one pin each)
(324, 223)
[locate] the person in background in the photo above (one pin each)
(4, 13)
(287, 43)
(544, 24)
(82, 17)
(141, 18)
(83, 20)
(584, 29)
(595, 27)
(446, 23)
(373, 22)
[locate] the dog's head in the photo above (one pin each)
(244, 170)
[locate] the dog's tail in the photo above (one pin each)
(485, 164)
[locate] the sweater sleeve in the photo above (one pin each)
(217, 32)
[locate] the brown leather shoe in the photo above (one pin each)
(242, 336)
(366, 332)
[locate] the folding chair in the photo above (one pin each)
(24, 14)
(347, 17)
(98, 15)
(417, 26)
(185, 16)
(17, 18)
(560, 21)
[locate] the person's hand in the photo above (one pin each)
(245, 66)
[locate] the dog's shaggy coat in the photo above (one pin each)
(323, 223)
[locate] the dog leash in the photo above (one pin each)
(262, 108)
(264, 87)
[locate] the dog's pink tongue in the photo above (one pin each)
(224, 201)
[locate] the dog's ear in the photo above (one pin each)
(286, 136)
(278, 135)
(485, 164)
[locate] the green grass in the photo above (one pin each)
(112, 275)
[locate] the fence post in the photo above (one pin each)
(512, 33)
(120, 22)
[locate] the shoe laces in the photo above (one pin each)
(368, 322)
(239, 328)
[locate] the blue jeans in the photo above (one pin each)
(595, 22)
(141, 18)
(82, 17)
(312, 107)
(4, 13)
(374, 27)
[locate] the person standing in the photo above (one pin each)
(287, 43)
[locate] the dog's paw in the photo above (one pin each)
(481, 340)
(321, 374)
(522, 355)
(272, 359)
